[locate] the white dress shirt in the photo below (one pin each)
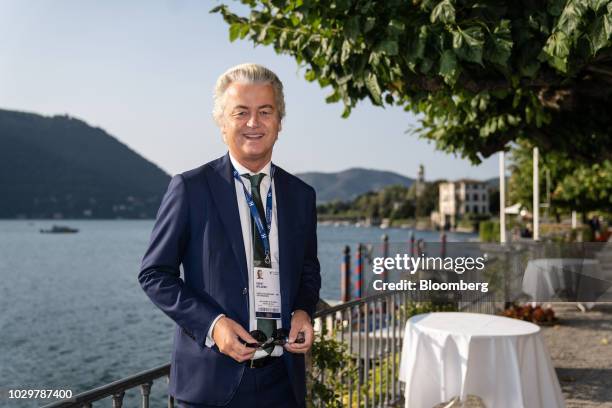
(247, 236)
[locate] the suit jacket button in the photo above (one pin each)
(244, 291)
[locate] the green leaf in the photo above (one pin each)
(262, 34)
(426, 65)
(557, 50)
(310, 75)
(427, 5)
(369, 24)
(234, 31)
(595, 5)
(346, 51)
(388, 47)
(417, 46)
(483, 102)
(282, 39)
(395, 26)
(334, 97)
(517, 99)
(531, 69)
(571, 17)
(555, 7)
(444, 12)
(295, 19)
(527, 60)
(351, 29)
(244, 31)
(343, 80)
(601, 32)
(513, 120)
(346, 112)
(341, 5)
(218, 9)
(468, 44)
(448, 67)
(372, 85)
(500, 48)
(374, 59)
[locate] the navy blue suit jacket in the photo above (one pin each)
(198, 227)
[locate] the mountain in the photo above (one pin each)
(348, 184)
(60, 167)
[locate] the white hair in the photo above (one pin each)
(250, 74)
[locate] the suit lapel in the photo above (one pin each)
(224, 196)
(283, 212)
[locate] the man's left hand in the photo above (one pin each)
(300, 322)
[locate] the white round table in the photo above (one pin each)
(580, 278)
(501, 360)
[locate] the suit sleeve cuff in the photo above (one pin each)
(209, 342)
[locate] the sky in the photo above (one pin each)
(144, 71)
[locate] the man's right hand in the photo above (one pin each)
(226, 333)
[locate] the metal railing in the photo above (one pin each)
(372, 330)
(116, 390)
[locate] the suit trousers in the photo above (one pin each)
(266, 387)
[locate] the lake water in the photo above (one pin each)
(73, 316)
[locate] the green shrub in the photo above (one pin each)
(489, 231)
(332, 364)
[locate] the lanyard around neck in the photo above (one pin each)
(264, 231)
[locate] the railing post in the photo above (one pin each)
(145, 391)
(345, 275)
(118, 399)
(366, 357)
(350, 362)
(170, 397)
(393, 345)
(359, 356)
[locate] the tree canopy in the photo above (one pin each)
(572, 185)
(479, 74)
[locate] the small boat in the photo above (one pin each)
(59, 229)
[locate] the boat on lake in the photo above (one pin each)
(59, 229)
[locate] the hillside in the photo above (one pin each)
(60, 167)
(348, 184)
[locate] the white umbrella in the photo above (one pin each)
(514, 209)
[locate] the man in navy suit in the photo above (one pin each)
(244, 231)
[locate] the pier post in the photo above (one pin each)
(443, 245)
(345, 275)
(359, 271)
(385, 254)
(384, 276)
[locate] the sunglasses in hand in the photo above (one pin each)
(279, 337)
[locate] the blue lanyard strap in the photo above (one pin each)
(264, 232)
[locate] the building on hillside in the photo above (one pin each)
(420, 181)
(460, 198)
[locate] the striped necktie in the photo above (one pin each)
(265, 325)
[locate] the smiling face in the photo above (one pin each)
(250, 123)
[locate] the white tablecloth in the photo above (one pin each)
(544, 278)
(503, 361)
